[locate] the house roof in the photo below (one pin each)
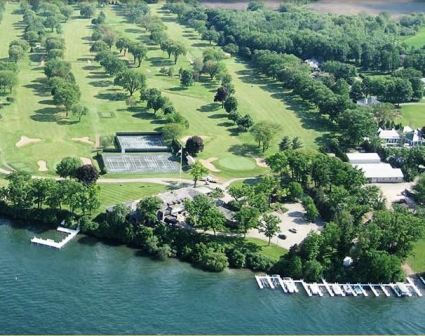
(379, 170)
(363, 157)
(388, 134)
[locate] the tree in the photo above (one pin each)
(221, 95)
(17, 191)
(178, 49)
(40, 190)
(296, 143)
(99, 46)
(419, 190)
(66, 94)
(197, 171)
(311, 211)
(153, 98)
(194, 145)
(212, 68)
(130, 80)
(87, 10)
(87, 174)
(79, 111)
(8, 79)
(285, 143)
(148, 208)
(122, 44)
(211, 35)
(255, 5)
(231, 104)
(139, 52)
(16, 53)
(270, 226)
(244, 123)
(171, 132)
(186, 78)
(57, 68)
(399, 90)
(247, 218)
(385, 113)
(263, 133)
(355, 125)
(68, 167)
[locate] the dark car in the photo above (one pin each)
(282, 236)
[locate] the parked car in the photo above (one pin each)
(293, 230)
(281, 236)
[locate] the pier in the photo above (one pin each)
(289, 286)
(51, 243)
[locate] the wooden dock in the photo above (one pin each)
(51, 243)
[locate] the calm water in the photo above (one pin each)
(94, 288)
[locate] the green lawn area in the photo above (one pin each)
(111, 194)
(34, 115)
(413, 115)
(272, 251)
(417, 40)
(417, 259)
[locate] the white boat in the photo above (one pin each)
(337, 289)
(403, 290)
(347, 289)
(290, 285)
(315, 290)
(358, 289)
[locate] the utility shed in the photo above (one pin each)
(380, 173)
(362, 158)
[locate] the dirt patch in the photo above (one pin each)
(261, 162)
(25, 141)
(209, 164)
(86, 161)
(85, 140)
(373, 7)
(42, 166)
(407, 269)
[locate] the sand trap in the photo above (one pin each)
(42, 166)
(4, 171)
(208, 164)
(86, 161)
(85, 140)
(24, 141)
(261, 162)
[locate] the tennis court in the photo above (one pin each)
(142, 142)
(140, 163)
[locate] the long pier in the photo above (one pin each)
(289, 286)
(51, 243)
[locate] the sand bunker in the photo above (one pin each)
(24, 141)
(42, 166)
(208, 164)
(86, 161)
(85, 140)
(261, 162)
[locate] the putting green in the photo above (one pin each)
(237, 163)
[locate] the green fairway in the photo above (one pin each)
(111, 194)
(34, 115)
(413, 115)
(417, 259)
(272, 251)
(417, 40)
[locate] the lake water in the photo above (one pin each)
(89, 287)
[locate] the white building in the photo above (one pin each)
(373, 169)
(389, 137)
(363, 158)
(380, 173)
(414, 137)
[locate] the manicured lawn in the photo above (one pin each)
(413, 115)
(35, 116)
(417, 40)
(111, 194)
(417, 259)
(272, 251)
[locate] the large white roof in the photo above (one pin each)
(379, 170)
(389, 134)
(363, 157)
